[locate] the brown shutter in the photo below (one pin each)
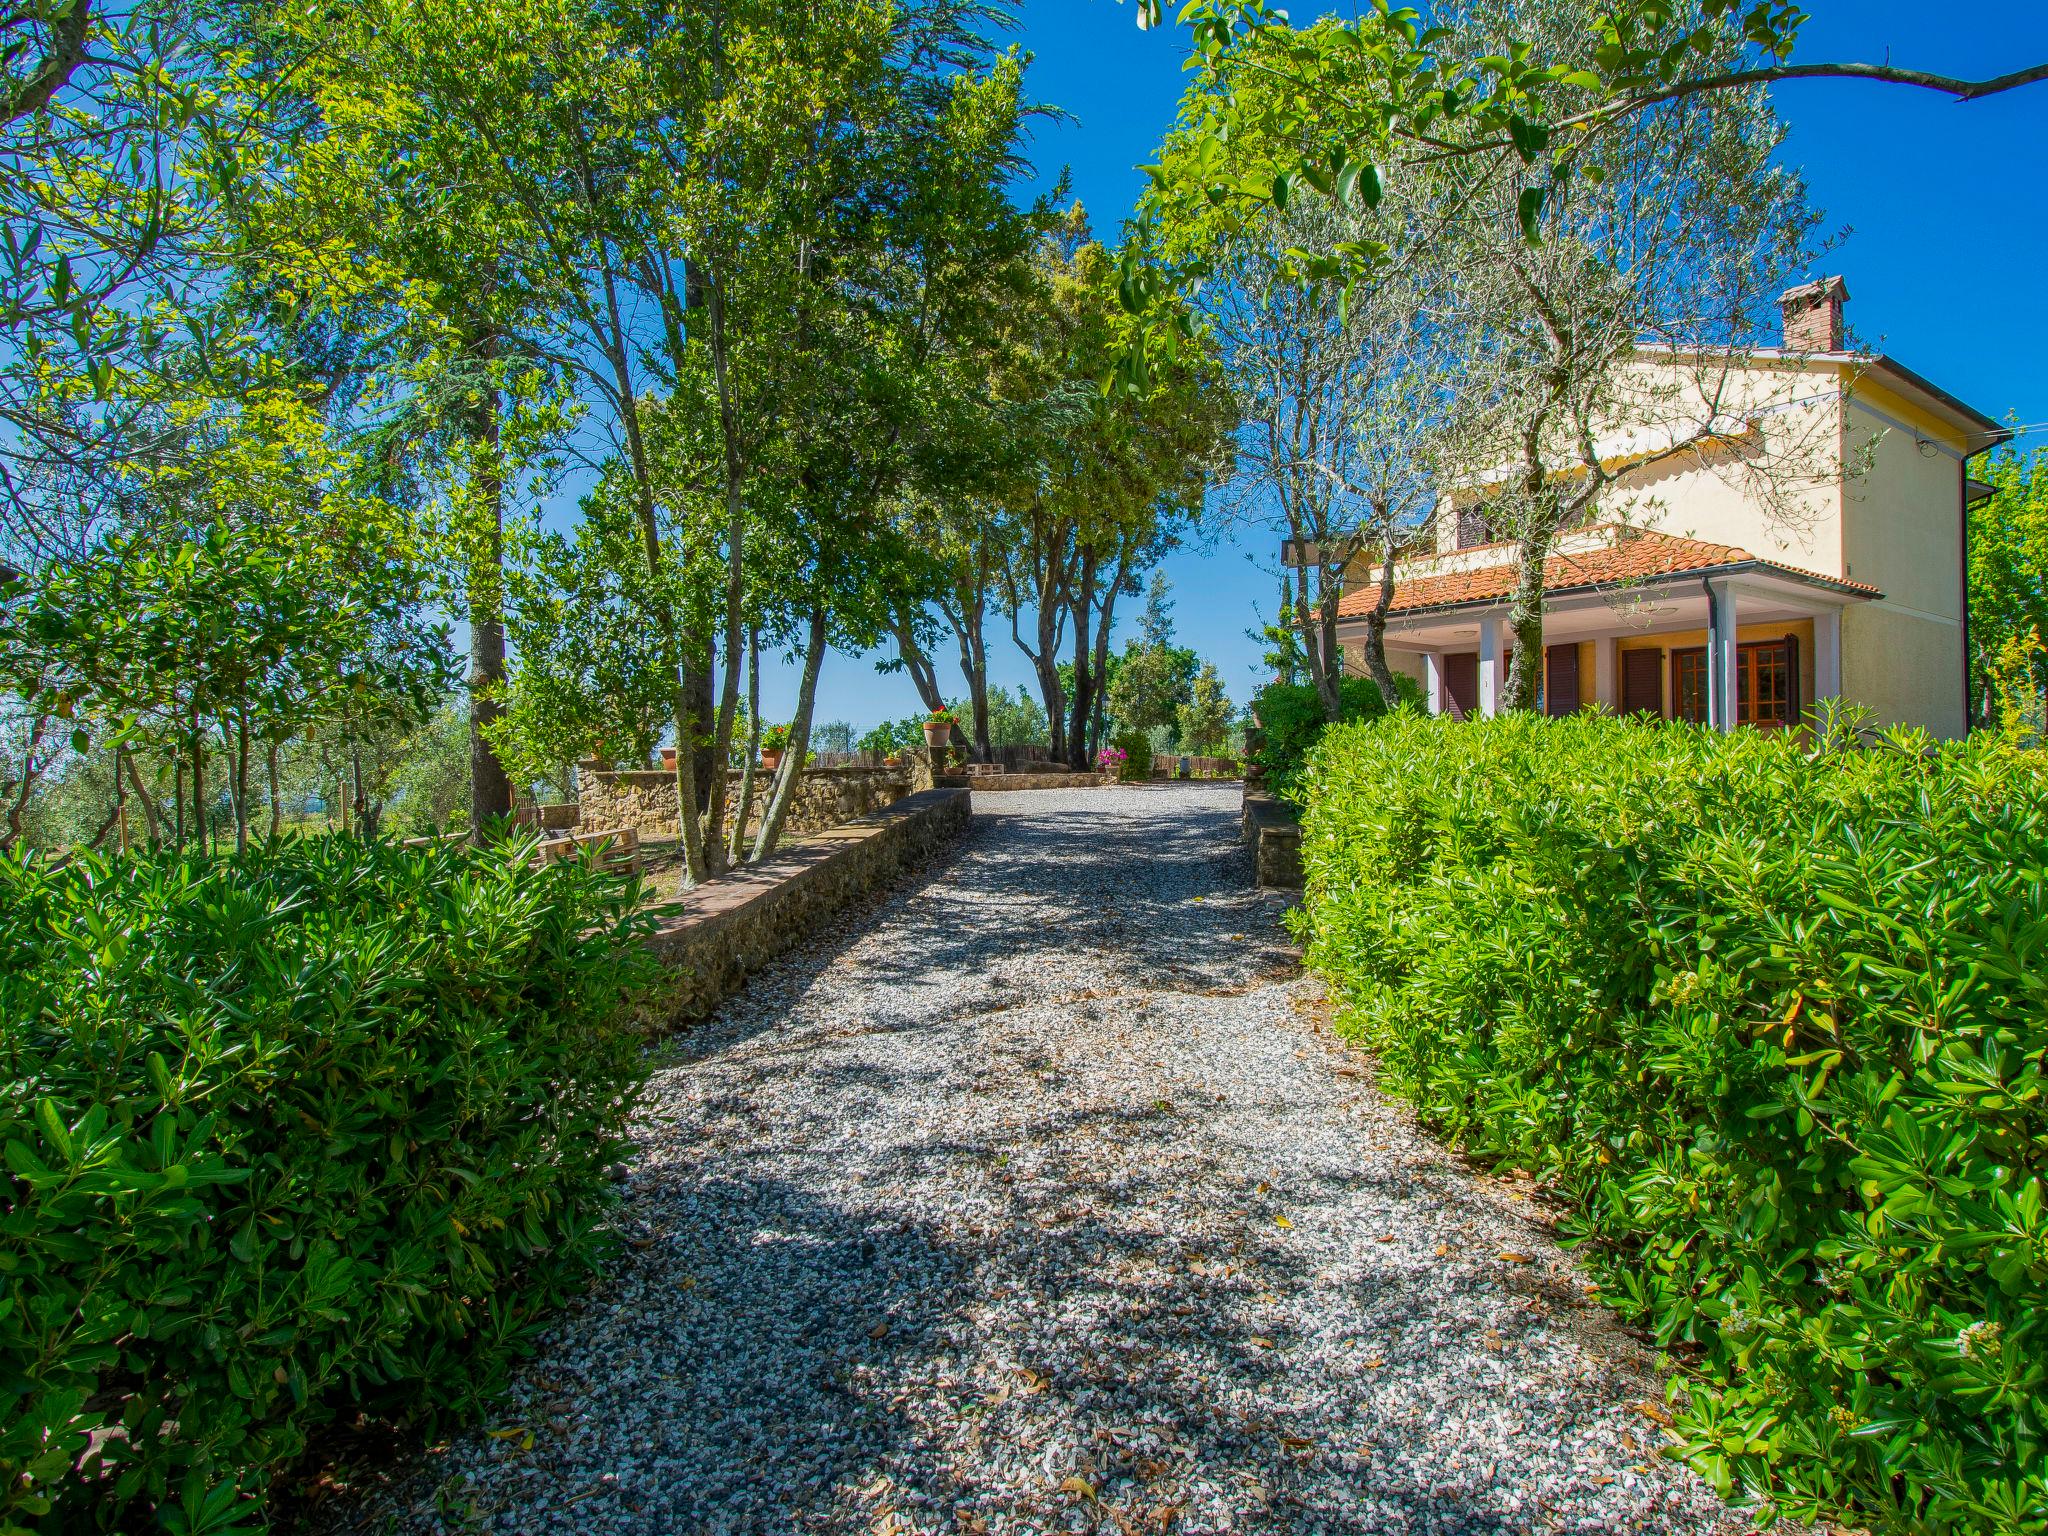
(1642, 682)
(1561, 679)
(1461, 682)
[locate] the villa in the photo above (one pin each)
(1793, 532)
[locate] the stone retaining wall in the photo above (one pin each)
(728, 929)
(1042, 780)
(645, 800)
(1272, 830)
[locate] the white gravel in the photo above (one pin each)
(1039, 1200)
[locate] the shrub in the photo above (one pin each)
(319, 1130)
(1291, 721)
(1136, 747)
(1773, 1020)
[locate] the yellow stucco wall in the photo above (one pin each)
(1902, 533)
(1843, 477)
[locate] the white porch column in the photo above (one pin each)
(1433, 674)
(1606, 666)
(1721, 658)
(1827, 655)
(1491, 678)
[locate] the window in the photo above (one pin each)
(1473, 528)
(1689, 685)
(1766, 684)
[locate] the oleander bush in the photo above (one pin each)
(1771, 1015)
(318, 1131)
(1291, 721)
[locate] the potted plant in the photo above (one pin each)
(774, 742)
(668, 759)
(938, 728)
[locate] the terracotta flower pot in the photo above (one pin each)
(938, 733)
(668, 759)
(770, 761)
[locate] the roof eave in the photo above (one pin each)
(1848, 590)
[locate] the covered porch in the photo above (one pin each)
(1724, 640)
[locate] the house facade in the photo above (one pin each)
(1793, 532)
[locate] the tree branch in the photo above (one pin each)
(67, 51)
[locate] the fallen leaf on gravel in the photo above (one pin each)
(1079, 1487)
(1653, 1413)
(1148, 1470)
(879, 1330)
(1375, 1363)
(1506, 1256)
(1442, 1249)
(889, 1523)
(510, 1432)
(1260, 1343)
(1385, 1237)
(1297, 1443)
(1033, 1382)
(1282, 1221)
(1603, 1479)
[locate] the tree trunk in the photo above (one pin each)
(202, 831)
(1376, 620)
(276, 810)
(1082, 705)
(799, 743)
(735, 589)
(1098, 718)
(490, 788)
(178, 794)
(924, 676)
(736, 841)
(242, 782)
(967, 633)
(152, 818)
(1525, 623)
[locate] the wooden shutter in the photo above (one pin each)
(1461, 682)
(1561, 679)
(1642, 682)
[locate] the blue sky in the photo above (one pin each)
(1946, 240)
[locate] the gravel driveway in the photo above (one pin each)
(1039, 1200)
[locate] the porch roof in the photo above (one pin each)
(1634, 558)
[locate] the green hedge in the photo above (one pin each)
(1291, 721)
(316, 1131)
(1774, 1021)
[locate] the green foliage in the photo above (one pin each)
(1150, 685)
(1205, 716)
(774, 738)
(1292, 720)
(1137, 764)
(2008, 583)
(1015, 717)
(431, 780)
(1771, 1017)
(317, 1130)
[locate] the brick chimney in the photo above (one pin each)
(1813, 316)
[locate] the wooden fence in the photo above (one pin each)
(1167, 765)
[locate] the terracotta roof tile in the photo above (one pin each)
(1635, 556)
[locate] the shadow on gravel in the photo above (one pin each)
(1122, 895)
(770, 1363)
